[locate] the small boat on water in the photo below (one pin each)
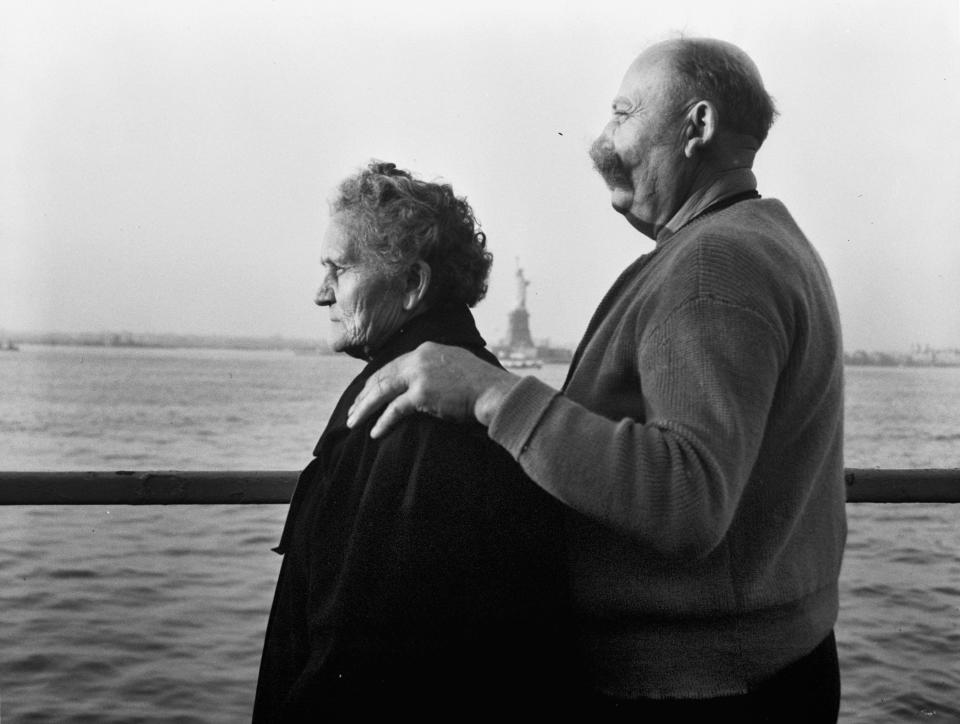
(8, 346)
(520, 361)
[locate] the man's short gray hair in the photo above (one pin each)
(720, 72)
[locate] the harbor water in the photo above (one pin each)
(157, 613)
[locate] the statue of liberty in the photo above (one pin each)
(522, 285)
(519, 337)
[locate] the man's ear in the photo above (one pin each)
(701, 127)
(417, 282)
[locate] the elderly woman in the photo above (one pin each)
(422, 572)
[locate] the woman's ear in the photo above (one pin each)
(701, 126)
(417, 283)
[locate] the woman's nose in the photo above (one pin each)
(324, 296)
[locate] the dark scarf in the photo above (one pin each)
(451, 324)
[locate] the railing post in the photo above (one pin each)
(206, 487)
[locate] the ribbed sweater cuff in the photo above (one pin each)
(519, 413)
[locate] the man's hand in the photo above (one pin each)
(446, 382)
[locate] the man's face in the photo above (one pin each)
(640, 153)
(365, 306)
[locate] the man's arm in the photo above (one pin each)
(446, 382)
(671, 478)
(673, 481)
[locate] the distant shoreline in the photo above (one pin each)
(131, 340)
(918, 356)
(167, 341)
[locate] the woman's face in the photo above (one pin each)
(365, 306)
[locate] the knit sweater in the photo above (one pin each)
(698, 442)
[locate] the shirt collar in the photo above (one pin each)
(724, 185)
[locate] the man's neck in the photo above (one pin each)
(721, 185)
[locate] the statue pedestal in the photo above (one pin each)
(519, 333)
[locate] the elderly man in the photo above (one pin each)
(697, 441)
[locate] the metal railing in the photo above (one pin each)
(204, 487)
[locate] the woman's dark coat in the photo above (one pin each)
(422, 572)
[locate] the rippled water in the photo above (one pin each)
(156, 614)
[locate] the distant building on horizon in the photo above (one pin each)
(918, 356)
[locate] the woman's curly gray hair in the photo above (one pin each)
(394, 220)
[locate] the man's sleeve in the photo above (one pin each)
(709, 373)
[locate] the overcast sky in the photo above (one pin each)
(165, 166)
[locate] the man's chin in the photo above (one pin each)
(621, 199)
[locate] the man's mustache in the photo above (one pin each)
(608, 164)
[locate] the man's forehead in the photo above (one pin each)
(648, 75)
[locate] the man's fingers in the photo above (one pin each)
(433, 379)
(399, 408)
(380, 389)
